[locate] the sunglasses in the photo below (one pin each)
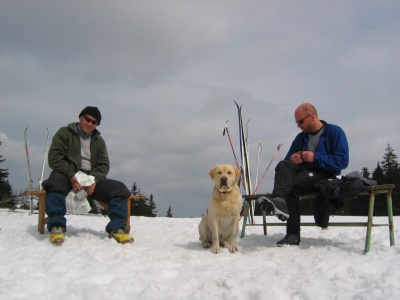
(299, 122)
(89, 120)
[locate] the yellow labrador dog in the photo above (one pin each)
(221, 224)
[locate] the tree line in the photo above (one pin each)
(387, 171)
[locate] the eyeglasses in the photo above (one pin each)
(89, 120)
(299, 122)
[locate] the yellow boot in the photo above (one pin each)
(57, 235)
(121, 237)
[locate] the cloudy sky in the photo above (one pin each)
(165, 74)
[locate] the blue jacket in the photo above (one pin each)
(332, 153)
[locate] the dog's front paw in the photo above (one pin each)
(216, 250)
(233, 249)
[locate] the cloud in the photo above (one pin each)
(165, 74)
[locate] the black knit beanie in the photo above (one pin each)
(93, 111)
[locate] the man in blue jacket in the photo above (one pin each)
(319, 151)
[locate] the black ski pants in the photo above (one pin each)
(110, 191)
(292, 181)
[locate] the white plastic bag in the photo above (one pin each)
(80, 206)
(84, 179)
(76, 206)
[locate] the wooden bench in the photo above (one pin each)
(42, 219)
(367, 190)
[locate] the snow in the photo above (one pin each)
(167, 262)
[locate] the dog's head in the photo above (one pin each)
(225, 177)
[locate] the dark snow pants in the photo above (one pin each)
(292, 181)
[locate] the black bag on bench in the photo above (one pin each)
(334, 192)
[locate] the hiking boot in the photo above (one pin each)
(120, 236)
(57, 235)
(289, 239)
(274, 207)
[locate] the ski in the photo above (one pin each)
(244, 153)
(245, 160)
(30, 181)
(259, 150)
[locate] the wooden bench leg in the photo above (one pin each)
(264, 222)
(128, 216)
(369, 222)
(42, 220)
(245, 216)
(390, 216)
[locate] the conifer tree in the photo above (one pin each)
(134, 189)
(390, 166)
(365, 173)
(378, 174)
(389, 160)
(387, 172)
(142, 207)
(5, 188)
(138, 206)
(152, 207)
(169, 212)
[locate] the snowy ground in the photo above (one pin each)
(167, 262)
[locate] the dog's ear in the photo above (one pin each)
(212, 173)
(237, 172)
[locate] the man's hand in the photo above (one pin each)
(75, 184)
(90, 189)
(308, 156)
(296, 158)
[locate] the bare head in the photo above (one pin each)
(306, 117)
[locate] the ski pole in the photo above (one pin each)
(258, 158)
(44, 160)
(273, 157)
(233, 150)
(230, 141)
